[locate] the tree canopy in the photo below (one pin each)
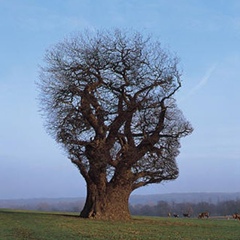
(108, 99)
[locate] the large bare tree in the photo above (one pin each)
(108, 99)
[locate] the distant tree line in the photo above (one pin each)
(163, 208)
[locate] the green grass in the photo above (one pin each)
(29, 225)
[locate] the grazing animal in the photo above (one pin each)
(203, 215)
(186, 215)
(236, 216)
(176, 215)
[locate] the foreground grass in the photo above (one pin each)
(29, 225)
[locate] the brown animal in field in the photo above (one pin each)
(236, 216)
(203, 215)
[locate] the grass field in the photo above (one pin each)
(29, 225)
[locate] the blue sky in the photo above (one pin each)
(204, 34)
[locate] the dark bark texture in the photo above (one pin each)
(109, 101)
(111, 204)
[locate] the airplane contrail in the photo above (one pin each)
(202, 82)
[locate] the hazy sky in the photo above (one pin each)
(205, 34)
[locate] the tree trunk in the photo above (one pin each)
(111, 204)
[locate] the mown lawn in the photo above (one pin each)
(29, 225)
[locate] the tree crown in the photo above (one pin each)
(108, 98)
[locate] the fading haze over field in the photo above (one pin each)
(204, 34)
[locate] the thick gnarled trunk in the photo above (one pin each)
(110, 203)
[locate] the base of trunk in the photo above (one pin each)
(109, 205)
